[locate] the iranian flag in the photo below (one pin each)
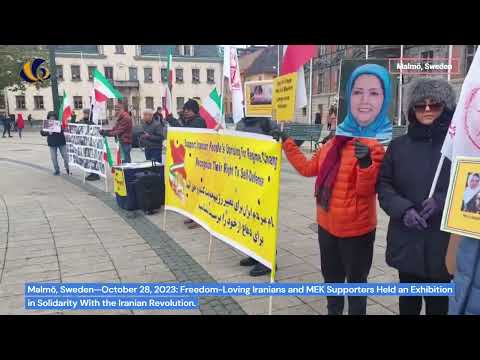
(210, 110)
(103, 89)
(107, 155)
(168, 104)
(65, 111)
(294, 57)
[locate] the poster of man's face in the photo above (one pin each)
(366, 97)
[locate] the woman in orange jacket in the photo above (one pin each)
(346, 169)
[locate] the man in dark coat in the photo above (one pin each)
(415, 245)
(191, 116)
(56, 141)
(264, 126)
(152, 137)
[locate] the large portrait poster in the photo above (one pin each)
(367, 98)
(258, 98)
(85, 148)
(461, 214)
(229, 184)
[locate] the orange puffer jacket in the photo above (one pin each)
(353, 208)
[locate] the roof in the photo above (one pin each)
(245, 61)
(204, 51)
(265, 63)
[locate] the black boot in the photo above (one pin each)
(260, 270)
(248, 262)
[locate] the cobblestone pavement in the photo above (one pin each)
(60, 229)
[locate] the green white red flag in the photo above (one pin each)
(210, 109)
(103, 88)
(65, 111)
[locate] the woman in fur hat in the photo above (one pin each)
(415, 245)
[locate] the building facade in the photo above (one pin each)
(139, 72)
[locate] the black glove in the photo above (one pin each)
(430, 207)
(278, 134)
(413, 220)
(362, 153)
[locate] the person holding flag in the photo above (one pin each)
(415, 245)
(122, 130)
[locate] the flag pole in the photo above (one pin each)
(278, 61)
(400, 87)
(437, 174)
(450, 51)
(310, 87)
(366, 52)
(210, 249)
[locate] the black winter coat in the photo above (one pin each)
(404, 182)
(54, 140)
(196, 122)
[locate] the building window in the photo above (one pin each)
(148, 74)
(164, 75)
(91, 69)
(133, 74)
(38, 101)
(304, 111)
(75, 72)
(2, 101)
(20, 101)
(119, 49)
(211, 76)
(179, 75)
(110, 104)
(179, 50)
(322, 50)
(180, 102)
(187, 50)
(321, 83)
(149, 102)
(60, 72)
(136, 102)
(108, 72)
(469, 54)
(195, 76)
(77, 102)
(426, 56)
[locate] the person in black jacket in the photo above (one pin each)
(190, 115)
(191, 119)
(264, 126)
(152, 137)
(56, 141)
(6, 125)
(415, 245)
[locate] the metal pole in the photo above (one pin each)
(400, 88)
(450, 51)
(278, 61)
(53, 77)
(366, 52)
(310, 87)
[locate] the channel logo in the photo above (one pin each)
(35, 71)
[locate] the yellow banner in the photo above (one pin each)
(284, 95)
(229, 183)
(258, 98)
(119, 185)
(462, 208)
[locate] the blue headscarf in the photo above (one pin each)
(381, 127)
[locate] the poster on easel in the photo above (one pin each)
(86, 148)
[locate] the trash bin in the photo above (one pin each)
(124, 180)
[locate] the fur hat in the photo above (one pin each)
(438, 90)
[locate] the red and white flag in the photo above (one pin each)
(294, 57)
(231, 70)
(463, 137)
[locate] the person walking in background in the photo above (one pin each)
(122, 130)
(6, 125)
(20, 124)
(415, 245)
(318, 118)
(13, 122)
(56, 142)
(346, 171)
(30, 120)
(152, 137)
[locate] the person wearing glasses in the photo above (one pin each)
(415, 245)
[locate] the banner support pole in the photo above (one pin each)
(210, 249)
